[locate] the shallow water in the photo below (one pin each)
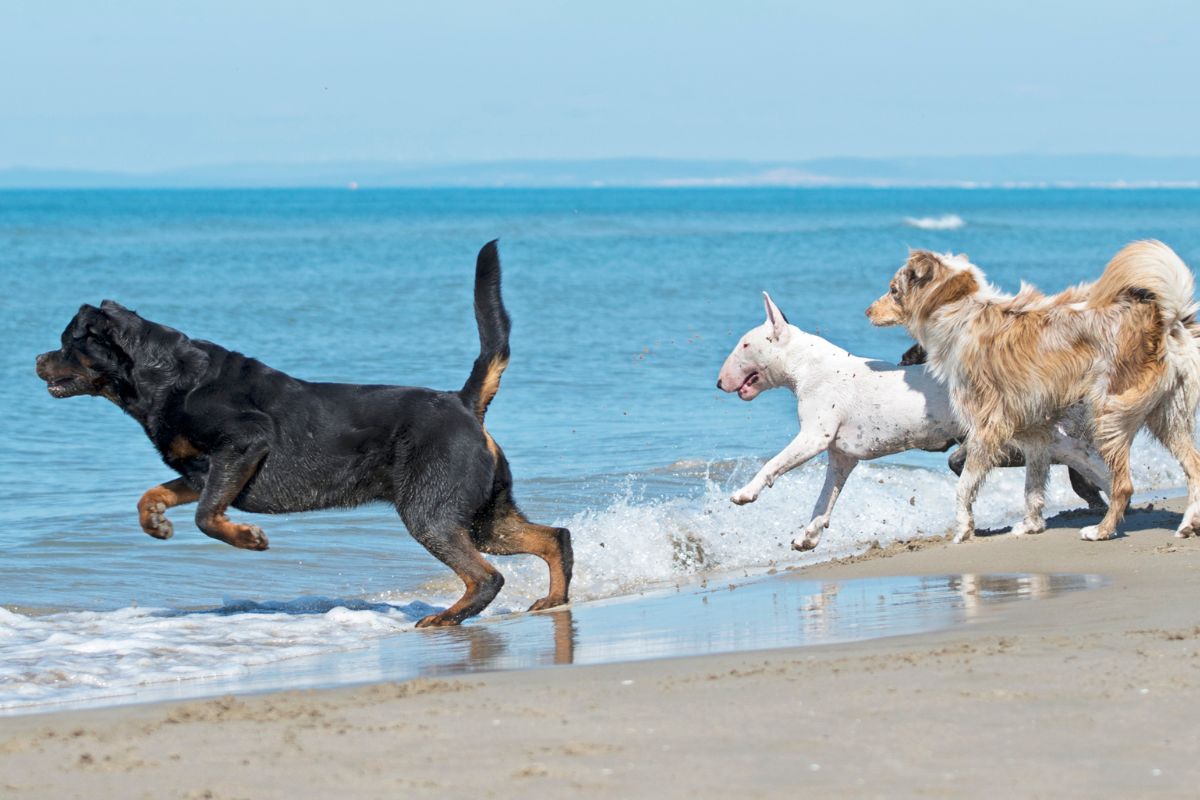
(365, 643)
(625, 304)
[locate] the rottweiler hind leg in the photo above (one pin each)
(451, 544)
(511, 533)
(228, 473)
(152, 508)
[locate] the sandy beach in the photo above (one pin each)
(1091, 693)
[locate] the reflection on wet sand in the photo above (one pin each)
(762, 613)
(777, 611)
(976, 591)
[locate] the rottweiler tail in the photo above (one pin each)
(494, 326)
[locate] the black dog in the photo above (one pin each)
(1086, 490)
(244, 435)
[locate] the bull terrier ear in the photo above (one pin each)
(775, 317)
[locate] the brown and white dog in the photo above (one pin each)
(1124, 347)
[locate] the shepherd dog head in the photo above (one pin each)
(926, 282)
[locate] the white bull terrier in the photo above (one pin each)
(855, 409)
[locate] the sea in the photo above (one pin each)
(624, 303)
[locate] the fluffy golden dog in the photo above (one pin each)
(1122, 349)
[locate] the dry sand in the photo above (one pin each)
(1091, 694)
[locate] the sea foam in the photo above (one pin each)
(626, 544)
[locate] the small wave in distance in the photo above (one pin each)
(946, 222)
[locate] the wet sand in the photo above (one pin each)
(1090, 693)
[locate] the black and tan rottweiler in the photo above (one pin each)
(244, 435)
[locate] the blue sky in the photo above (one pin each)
(153, 85)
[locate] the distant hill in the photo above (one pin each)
(1102, 170)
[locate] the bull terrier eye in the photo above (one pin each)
(745, 344)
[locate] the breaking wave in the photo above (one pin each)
(946, 222)
(626, 544)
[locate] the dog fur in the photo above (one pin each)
(1122, 348)
(852, 408)
(244, 435)
(1012, 457)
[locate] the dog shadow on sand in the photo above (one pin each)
(1144, 518)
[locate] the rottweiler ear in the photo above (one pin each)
(121, 324)
(87, 313)
(87, 318)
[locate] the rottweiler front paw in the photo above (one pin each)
(248, 537)
(152, 515)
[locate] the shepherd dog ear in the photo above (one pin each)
(920, 266)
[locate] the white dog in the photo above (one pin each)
(855, 409)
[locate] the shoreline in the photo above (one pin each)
(1093, 692)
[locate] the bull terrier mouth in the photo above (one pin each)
(747, 384)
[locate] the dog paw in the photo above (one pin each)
(806, 542)
(437, 621)
(1092, 533)
(1029, 527)
(548, 602)
(744, 495)
(153, 518)
(964, 534)
(249, 537)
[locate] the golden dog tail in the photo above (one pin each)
(1149, 271)
(494, 326)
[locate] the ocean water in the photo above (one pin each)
(624, 303)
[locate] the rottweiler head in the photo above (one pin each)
(95, 353)
(112, 352)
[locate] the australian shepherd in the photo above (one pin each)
(1123, 348)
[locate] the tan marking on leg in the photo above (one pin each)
(154, 503)
(513, 534)
(243, 537)
(478, 595)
